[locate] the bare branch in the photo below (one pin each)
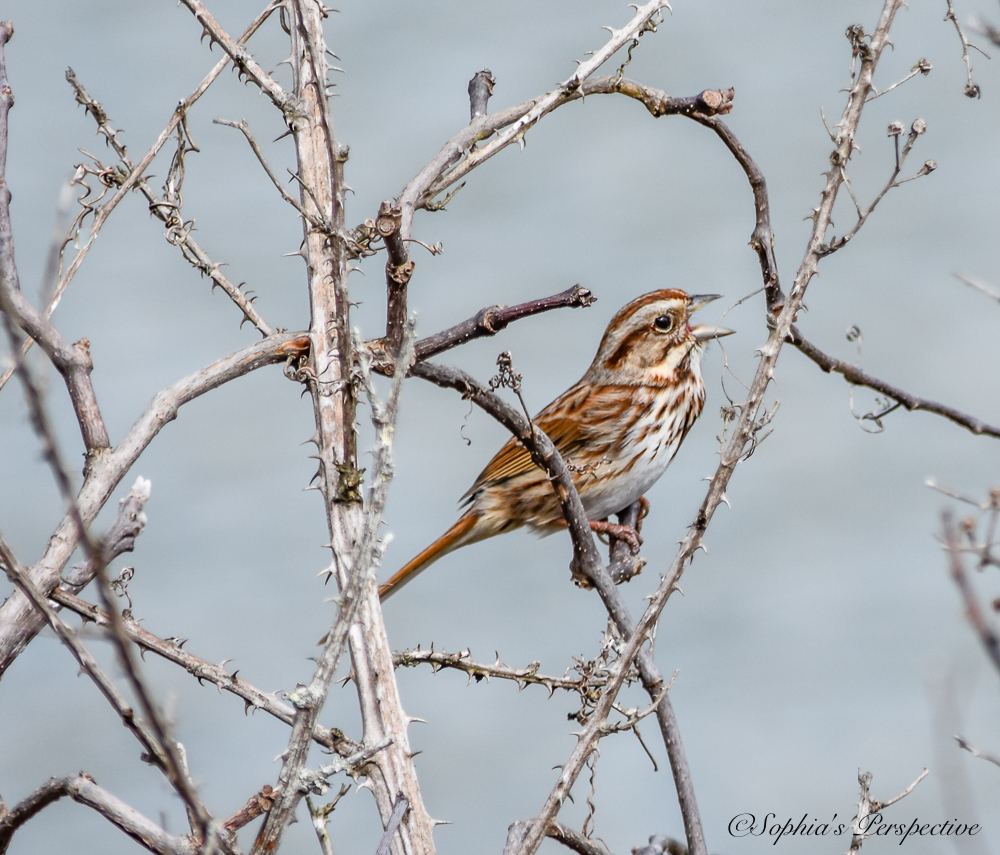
(491, 320)
(149, 741)
(167, 209)
(72, 361)
(975, 752)
(18, 621)
(543, 453)
(257, 805)
(852, 374)
(543, 105)
(480, 90)
(987, 635)
(869, 808)
(102, 213)
(320, 817)
(82, 789)
(971, 88)
(244, 128)
(173, 651)
(241, 58)
(979, 286)
(572, 839)
(478, 671)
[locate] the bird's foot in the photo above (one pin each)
(627, 533)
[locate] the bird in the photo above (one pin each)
(618, 428)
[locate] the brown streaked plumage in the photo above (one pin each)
(618, 428)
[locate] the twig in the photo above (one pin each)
(128, 525)
(102, 213)
(151, 741)
(986, 633)
(971, 88)
(257, 805)
(979, 286)
(572, 839)
(72, 361)
(480, 90)
(398, 270)
(491, 320)
(242, 126)
(241, 58)
(399, 809)
(895, 131)
(321, 816)
(167, 210)
(975, 752)
(545, 104)
(18, 621)
(922, 66)
(173, 651)
(478, 671)
(854, 375)
(83, 790)
(868, 810)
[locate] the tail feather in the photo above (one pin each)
(461, 533)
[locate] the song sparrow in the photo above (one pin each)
(618, 428)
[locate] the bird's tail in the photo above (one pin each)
(461, 533)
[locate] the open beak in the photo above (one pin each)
(704, 332)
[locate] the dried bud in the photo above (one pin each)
(923, 66)
(895, 129)
(972, 90)
(928, 167)
(918, 127)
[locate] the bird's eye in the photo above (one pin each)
(664, 323)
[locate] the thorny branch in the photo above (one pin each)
(125, 183)
(152, 737)
(172, 649)
(167, 208)
(478, 671)
(491, 320)
(18, 621)
(586, 563)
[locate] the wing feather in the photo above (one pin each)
(575, 420)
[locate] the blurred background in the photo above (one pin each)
(818, 636)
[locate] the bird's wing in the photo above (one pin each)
(570, 422)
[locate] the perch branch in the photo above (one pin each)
(587, 562)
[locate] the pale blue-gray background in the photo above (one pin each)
(820, 633)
